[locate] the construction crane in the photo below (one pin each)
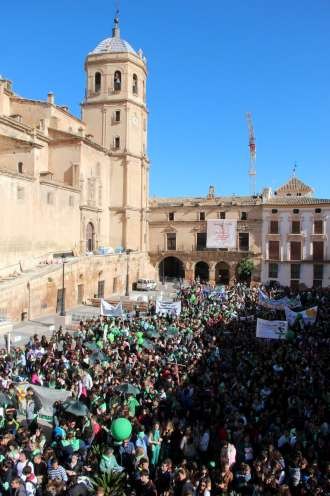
(252, 147)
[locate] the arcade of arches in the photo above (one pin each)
(170, 268)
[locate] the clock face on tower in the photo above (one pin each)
(135, 120)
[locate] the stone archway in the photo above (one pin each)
(171, 268)
(90, 237)
(222, 273)
(202, 271)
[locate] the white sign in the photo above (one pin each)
(271, 329)
(109, 310)
(221, 233)
(168, 307)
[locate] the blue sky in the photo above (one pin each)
(209, 63)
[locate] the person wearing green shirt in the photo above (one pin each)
(109, 463)
(132, 404)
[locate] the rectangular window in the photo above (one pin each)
(318, 250)
(318, 210)
(117, 116)
(318, 271)
(100, 289)
(318, 226)
(273, 271)
(50, 198)
(243, 241)
(80, 295)
(273, 227)
(20, 193)
(296, 210)
(274, 210)
(222, 215)
(171, 241)
(201, 241)
(295, 271)
(117, 143)
(171, 216)
(274, 250)
(20, 167)
(295, 227)
(243, 215)
(295, 250)
(201, 215)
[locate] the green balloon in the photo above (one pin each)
(121, 429)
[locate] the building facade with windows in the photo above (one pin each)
(73, 186)
(285, 233)
(178, 235)
(295, 234)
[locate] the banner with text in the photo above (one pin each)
(271, 329)
(221, 233)
(109, 310)
(168, 307)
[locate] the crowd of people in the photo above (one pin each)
(214, 410)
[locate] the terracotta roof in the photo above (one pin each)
(295, 200)
(294, 185)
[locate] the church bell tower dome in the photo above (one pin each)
(114, 44)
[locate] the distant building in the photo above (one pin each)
(178, 237)
(295, 237)
(284, 233)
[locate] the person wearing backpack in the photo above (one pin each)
(30, 481)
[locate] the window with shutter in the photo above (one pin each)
(274, 250)
(295, 250)
(317, 250)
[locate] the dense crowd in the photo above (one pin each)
(214, 410)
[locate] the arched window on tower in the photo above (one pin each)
(135, 84)
(117, 81)
(97, 82)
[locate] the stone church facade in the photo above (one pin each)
(72, 186)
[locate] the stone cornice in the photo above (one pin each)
(113, 103)
(16, 175)
(56, 184)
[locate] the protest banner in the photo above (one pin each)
(108, 310)
(279, 304)
(168, 307)
(271, 329)
(44, 398)
(307, 317)
(221, 233)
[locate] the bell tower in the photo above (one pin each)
(115, 114)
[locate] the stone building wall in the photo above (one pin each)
(36, 294)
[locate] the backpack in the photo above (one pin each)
(31, 488)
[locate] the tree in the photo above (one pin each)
(244, 269)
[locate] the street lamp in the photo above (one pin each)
(62, 312)
(128, 251)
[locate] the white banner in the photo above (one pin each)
(109, 310)
(271, 329)
(221, 233)
(307, 316)
(168, 307)
(279, 304)
(45, 398)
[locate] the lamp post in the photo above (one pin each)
(128, 251)
(62, 312)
